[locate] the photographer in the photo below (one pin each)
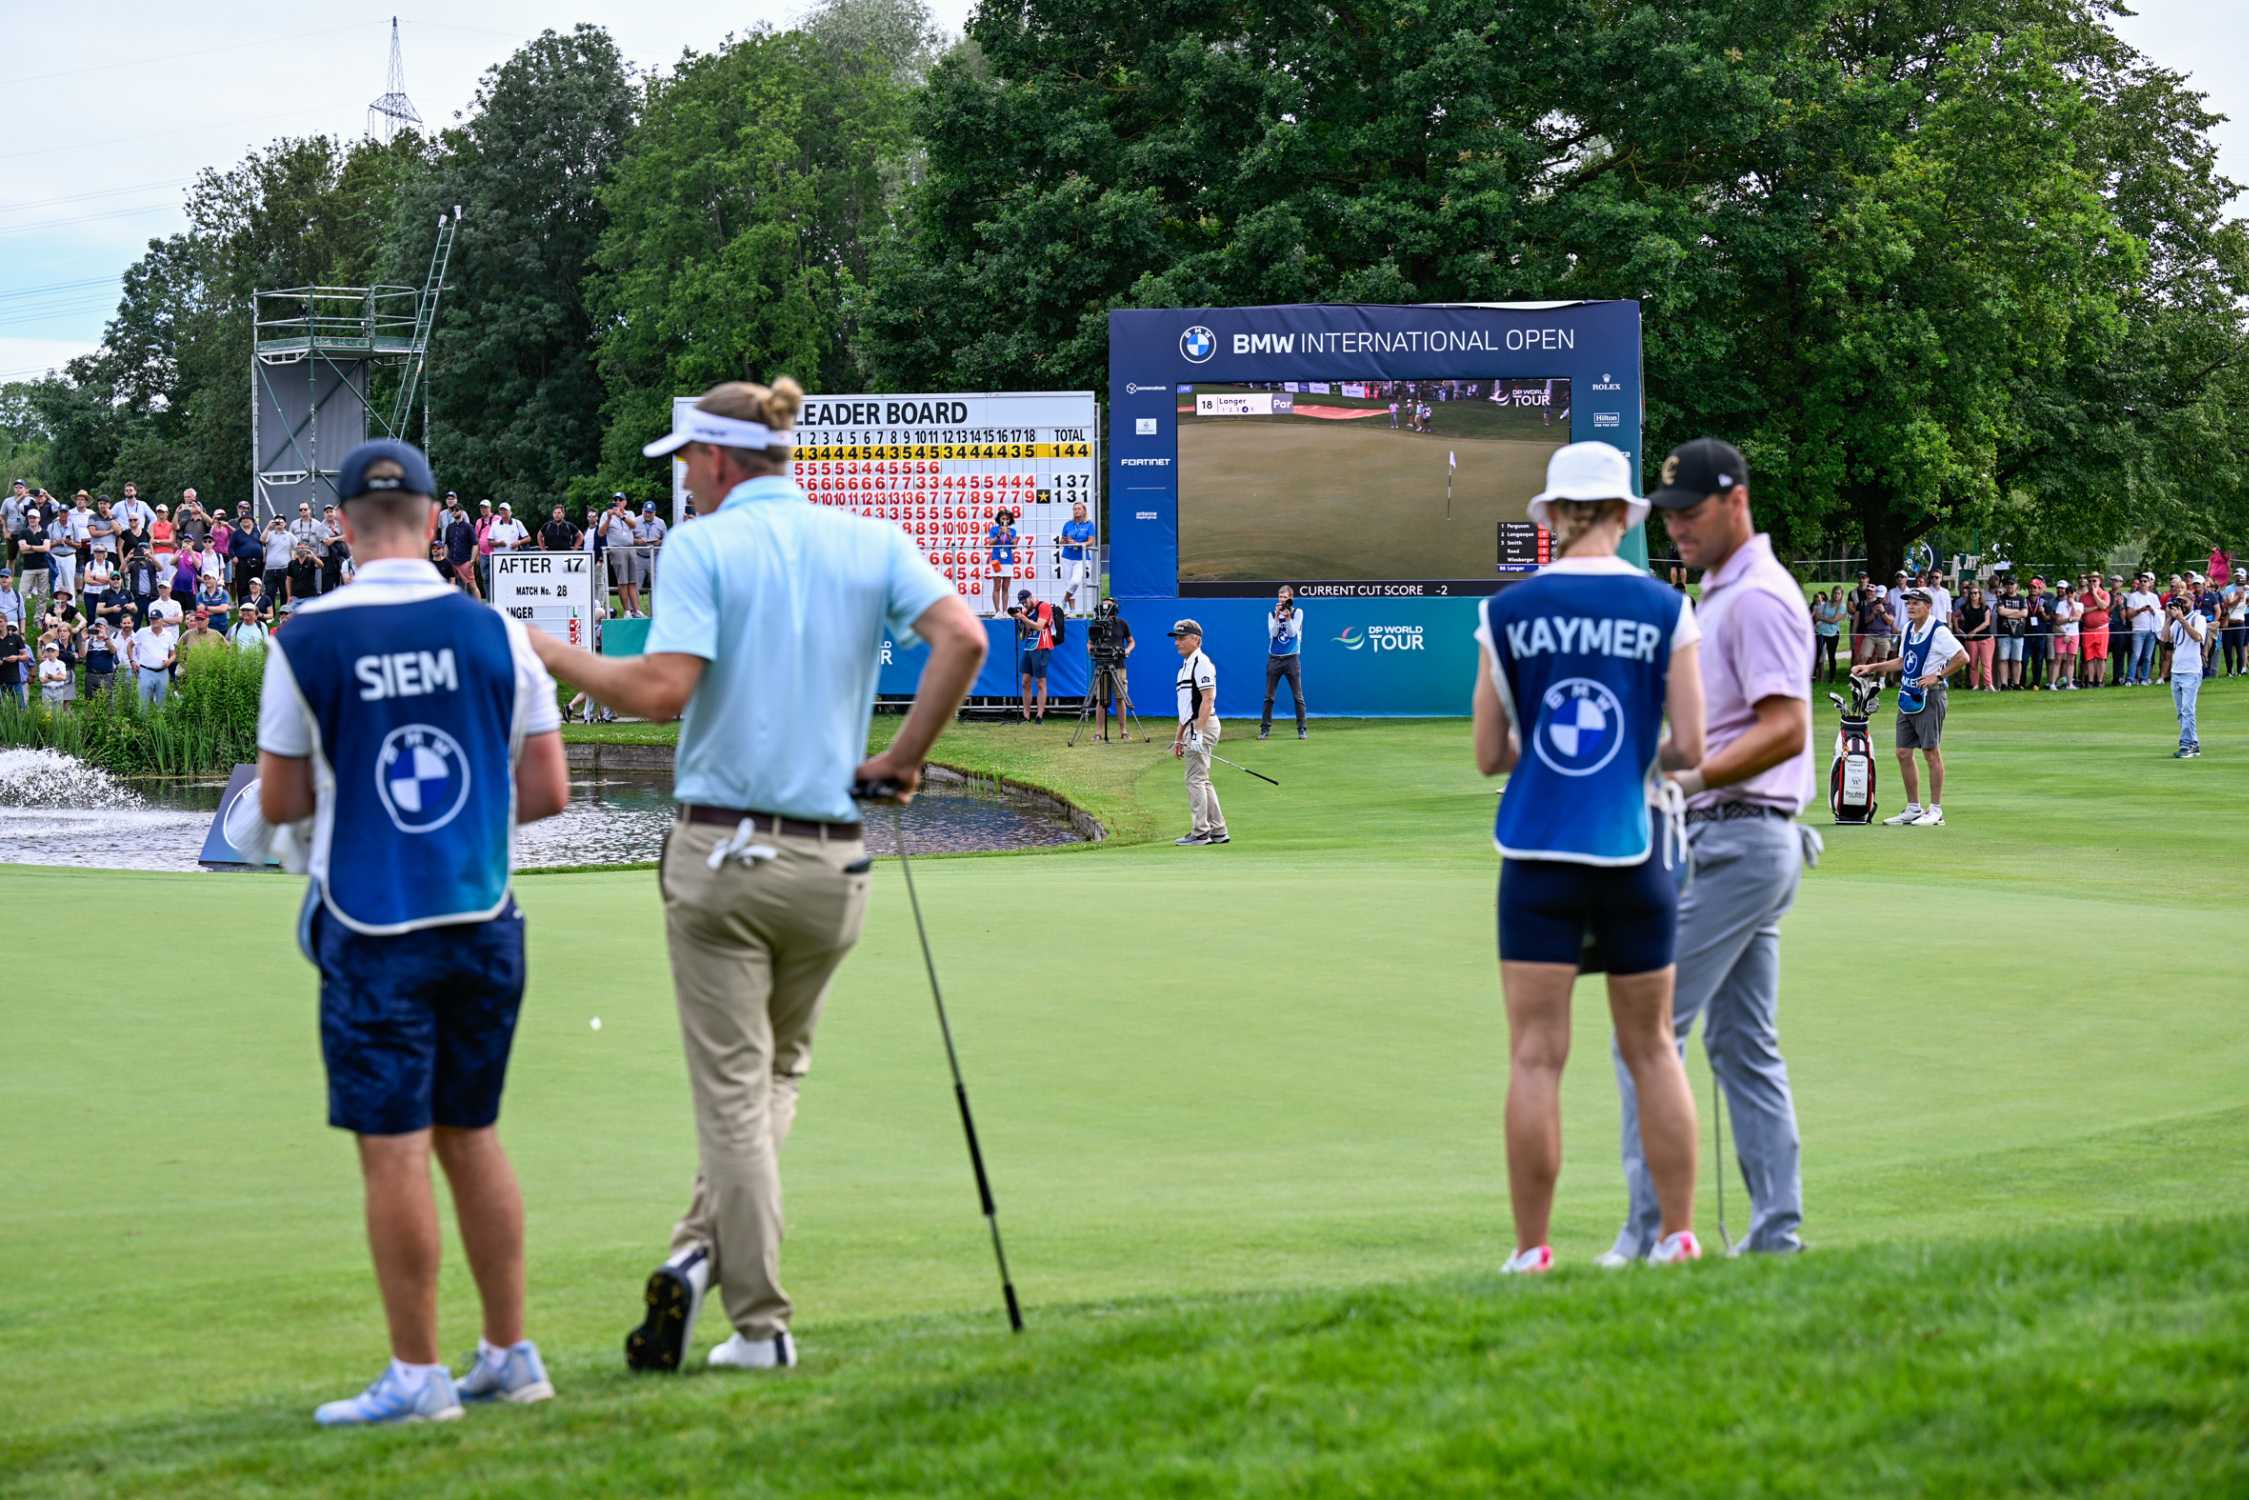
(1035, 631)
(1108, 647)
(1284, 658)
(2187, 632)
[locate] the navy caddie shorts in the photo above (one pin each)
(1615, 919)
(415, 1027)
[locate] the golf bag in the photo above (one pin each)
(1850, 777)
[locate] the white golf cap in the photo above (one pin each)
(692, 424)
(1589, 471)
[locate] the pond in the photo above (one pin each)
(58, 811)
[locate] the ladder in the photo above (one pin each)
(425, 318)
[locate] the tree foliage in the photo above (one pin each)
(740, 218)
(515, 399)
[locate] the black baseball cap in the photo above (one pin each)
(413, 478)
(1697, 470)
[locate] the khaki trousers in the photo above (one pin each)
(753, 946)
(1202, 797)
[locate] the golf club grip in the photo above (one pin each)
(887, 789)
(975, 1152)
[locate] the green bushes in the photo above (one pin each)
(209, 725)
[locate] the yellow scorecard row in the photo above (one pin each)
(832, 452)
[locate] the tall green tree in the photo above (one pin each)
(515, 399)
(741, 220)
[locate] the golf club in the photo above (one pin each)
(1718, 1130)
(888, 791)
(1260, 775)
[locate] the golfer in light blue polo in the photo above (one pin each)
(765, 646)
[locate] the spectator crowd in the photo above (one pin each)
(2061, 636)
(94, 589)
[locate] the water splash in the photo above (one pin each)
(51, 779)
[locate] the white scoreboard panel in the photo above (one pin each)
(941, 467)
(552, 590)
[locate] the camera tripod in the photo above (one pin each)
(1108, 679)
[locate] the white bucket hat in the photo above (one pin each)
(1589, 471)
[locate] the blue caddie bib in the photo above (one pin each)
(414, 705)
(1584, 662)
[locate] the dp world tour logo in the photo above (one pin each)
(1581, 724)
(1352, 638)
(1198, 344)
(422, 775)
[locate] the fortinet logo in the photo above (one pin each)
(1607, 382)
(1145, 463)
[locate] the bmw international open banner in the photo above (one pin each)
(1377, 459)
(552, 590)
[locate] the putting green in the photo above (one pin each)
(1268, 1066)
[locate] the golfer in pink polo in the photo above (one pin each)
(1755, 776)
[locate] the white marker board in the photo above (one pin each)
(552, 590)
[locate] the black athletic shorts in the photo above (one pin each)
(1615, 919)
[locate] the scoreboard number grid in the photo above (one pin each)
(940, 467)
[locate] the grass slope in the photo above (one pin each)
(1241, 1107)
(2087, 1363)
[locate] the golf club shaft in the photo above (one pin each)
(1718, 1131)
(1237, 765)
(960, 1089)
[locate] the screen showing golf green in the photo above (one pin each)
(1364, 487)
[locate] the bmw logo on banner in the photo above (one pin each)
(422, 776)
(1197, 344)
(1581, 724)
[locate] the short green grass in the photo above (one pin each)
(1241, 1107)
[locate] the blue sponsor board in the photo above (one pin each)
(1408, 658)
(218, 852)
(1067, 673)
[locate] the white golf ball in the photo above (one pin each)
(597, 1023)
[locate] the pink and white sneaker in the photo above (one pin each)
(1532, 1262)
(1676, 1249)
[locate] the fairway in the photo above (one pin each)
(1242, 1111)
(1265, 498)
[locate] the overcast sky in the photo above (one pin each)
(117, 104)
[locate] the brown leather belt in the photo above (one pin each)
(760, 822)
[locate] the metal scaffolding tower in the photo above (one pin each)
(393, 112)
(330, 363)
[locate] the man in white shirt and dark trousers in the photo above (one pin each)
(1198, 736)
(1928, 652)
(1284, 659)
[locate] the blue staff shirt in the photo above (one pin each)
(788, 603)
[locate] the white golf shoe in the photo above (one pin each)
(1911, 814)
(1532, 1262)
(1932, 817)
(1676, 1249)
(778, 1352)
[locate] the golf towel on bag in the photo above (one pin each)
(1582, 660)
(417, 712)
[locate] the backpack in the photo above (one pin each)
(1061, 627)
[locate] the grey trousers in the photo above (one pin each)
(1745, 878)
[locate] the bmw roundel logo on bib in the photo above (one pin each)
(1198, 344)
(1580, 726)
(422, 775)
